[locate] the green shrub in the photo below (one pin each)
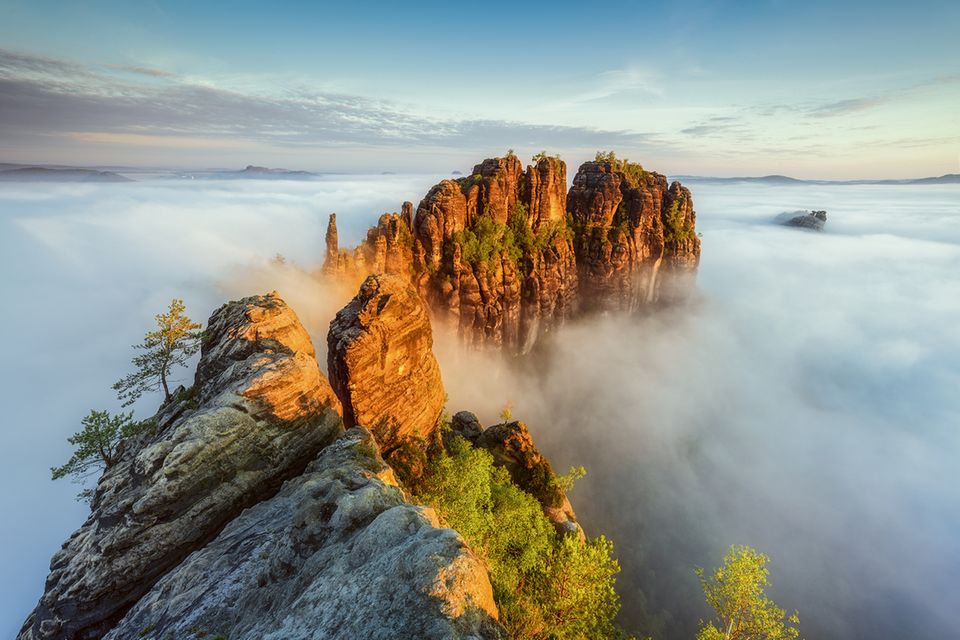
(485, 239)
(633, 171)
(546, 585)
(675, 226)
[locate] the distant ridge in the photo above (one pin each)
(251, 172)
(52, 174)
(949, 178)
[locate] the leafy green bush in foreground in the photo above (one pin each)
(547, 586)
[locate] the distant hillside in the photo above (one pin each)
(950, 178)
(50, 174)
(251, 172)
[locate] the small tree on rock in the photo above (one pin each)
(97, 446)
(175, 340)
(736, 593)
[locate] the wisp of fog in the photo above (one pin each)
(805, 402)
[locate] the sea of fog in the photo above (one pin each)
(805, 403)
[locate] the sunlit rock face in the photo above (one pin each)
(635, 237)
(250, 514)
(260, 410)
(336, 554)
(381, 363)
(506, 299)
(616, 242)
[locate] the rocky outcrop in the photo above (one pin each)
(635, 236)
(381, 363)
(388, 248)
(331, 262)
(814, 220)
(249, 513)
(336, 554)
(506, 253)
(512, 448)
(258, 413)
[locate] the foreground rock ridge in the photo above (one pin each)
(258, 412)
(248, 513)
(508, 252)
(255, 511)
(337, 553)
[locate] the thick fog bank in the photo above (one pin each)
(805, 403)
(85, 268)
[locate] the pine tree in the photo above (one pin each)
(175, 340)
(97, 446)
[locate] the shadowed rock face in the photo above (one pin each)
(336, 554)
(381, 363)
(614, 242)
(259, 412)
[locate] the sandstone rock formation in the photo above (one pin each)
(258, 413)
(336, 554)
(250, 514)
(633, 235)
(381, 363)
(513, 448)
(506, 253)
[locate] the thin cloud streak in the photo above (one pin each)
(49, 97)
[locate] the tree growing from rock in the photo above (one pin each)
(743, 612)
(97, 446)
(174, 341)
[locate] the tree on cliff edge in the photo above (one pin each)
(736, 593)
(97, 446)
(175, 340)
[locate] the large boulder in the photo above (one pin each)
(381, 363)
(336, 554)
(258, 413)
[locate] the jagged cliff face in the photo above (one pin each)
(506, 253)
(238, 517)
(634, 234)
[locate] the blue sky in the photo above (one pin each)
(814, 89)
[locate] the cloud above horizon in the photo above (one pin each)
(46, 97)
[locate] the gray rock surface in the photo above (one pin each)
(803, 219)
(259, 412)
(336, 554)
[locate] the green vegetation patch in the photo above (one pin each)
(633, 171)
(676, 228)
(546, 585)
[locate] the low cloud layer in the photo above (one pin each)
(804, 404)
